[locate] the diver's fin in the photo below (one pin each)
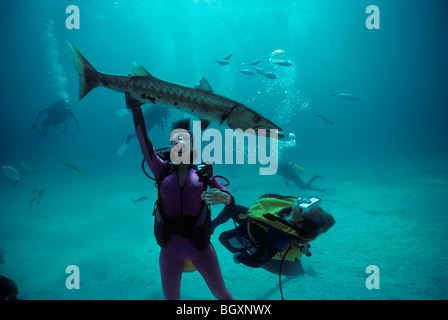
(122, 148)
(204, 85)
(139, 71)
(122, 112)
(204, 124)
(88, 76)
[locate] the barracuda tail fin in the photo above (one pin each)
(88, 76)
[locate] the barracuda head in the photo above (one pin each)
(241, 117)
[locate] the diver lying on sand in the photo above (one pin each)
(274, 232)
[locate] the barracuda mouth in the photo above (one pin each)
(267, 133)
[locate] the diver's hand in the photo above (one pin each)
(215, 196)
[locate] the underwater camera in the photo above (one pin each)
(304, 205)
(205, 173)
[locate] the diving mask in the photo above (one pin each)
(304, 205)
(179, 141)
(180, 146)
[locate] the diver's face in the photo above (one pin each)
(298, 214)
(180, 141)
(181, 150)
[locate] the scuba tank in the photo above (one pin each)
(296, 167)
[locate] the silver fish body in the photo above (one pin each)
(247, 72)
(72, 167)
(283, 63)
(269, 75)
(12, 173)
(222, 62)
(200, 101)
(37, 194)
(325, 120)
(135, 201)
(346, 96)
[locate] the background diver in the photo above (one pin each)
(290, 171)
(156, 115)
(55, 115)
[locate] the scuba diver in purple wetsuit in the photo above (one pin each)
(182, 213)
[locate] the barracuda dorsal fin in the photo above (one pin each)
(204, 85)
(139, 71)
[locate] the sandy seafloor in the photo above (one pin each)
(392, 215)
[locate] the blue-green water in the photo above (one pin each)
(384, 157)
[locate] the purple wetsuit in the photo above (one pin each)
(185, 201)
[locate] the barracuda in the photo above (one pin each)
(141, 87)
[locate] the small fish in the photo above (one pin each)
(26, 166)
(346, 96)
(254, 63)
(283, 63)
(139, 199)
(73, 167)
(325, 120)
(269, 75)
(12, 173)
(224, 61)
(37, 194)
(247, 72)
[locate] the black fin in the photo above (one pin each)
(224, 118)
(204, 124)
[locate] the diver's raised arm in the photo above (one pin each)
(155, 163)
